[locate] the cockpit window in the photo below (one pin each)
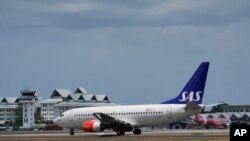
(61, 115)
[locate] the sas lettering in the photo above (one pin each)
(190, 96)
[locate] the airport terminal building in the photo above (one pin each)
(60, 101)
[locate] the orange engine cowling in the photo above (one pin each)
(91, 126)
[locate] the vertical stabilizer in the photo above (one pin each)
(194, 89)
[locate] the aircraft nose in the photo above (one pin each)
(57, 121)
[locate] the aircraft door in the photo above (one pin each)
(169, 112)
(71, 116)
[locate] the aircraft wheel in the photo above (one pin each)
(71, 132)
(137, 131)
(120, 132)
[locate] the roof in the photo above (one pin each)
(242, 113)
(28, 92)
(226, 115)
(245, 115)
(248, 114)
(101, 98)
(204, 115)
(4, 100)
(27, 97)
(238, 115)
(69, 97)
(82, 104)
(80, 90)
(55, 100)
(11, 99)
(215, 115)
(89, 97)
(77, 96)
(60, 93)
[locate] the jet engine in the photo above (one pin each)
(92, 126)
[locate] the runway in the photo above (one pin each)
(152, 135)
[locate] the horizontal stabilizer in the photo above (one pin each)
(192, 106)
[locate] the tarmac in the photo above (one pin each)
(150, 135)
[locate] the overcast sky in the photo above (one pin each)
(135, 51)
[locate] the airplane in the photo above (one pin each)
(133, 117)
(210, 122)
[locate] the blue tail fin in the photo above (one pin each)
(194, 89)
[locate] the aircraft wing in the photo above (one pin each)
(192, 106)
(111, 122)
(187, 121)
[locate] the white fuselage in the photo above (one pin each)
(136, 115)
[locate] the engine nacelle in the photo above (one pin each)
(92, 126)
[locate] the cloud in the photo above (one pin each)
(89, 14)
(122, 46)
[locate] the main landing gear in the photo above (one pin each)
(137, 131)
(120, 132)
(71, 132)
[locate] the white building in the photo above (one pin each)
(8, 107)
(62, 100)
(47, 108)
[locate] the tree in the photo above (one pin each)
(217, 108)
(19, 116)
(38, 119)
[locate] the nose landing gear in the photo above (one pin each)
(71, 132)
